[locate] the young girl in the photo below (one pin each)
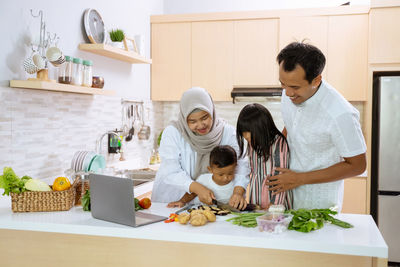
(267, 149)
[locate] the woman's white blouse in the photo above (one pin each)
(178, 160)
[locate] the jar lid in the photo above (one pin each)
(68, 58)
(87, 63)
(77, 60)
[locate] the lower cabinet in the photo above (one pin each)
(355, 195)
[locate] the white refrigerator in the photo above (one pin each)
(385, 167)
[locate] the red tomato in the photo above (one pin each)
(145, 203)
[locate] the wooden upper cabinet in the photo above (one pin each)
(171, 68)
(347, 66)
(255, 51)
(212, 58)
(384, 36)
(310, 29)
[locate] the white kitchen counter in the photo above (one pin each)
(362, 240)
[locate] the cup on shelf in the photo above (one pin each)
(55, 56)
(34, 63)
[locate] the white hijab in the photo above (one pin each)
(199, 98)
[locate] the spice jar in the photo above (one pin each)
(65, 71)
(77, 71)
(87, 73)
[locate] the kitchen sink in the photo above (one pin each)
(140, 176)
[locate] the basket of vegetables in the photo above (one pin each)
(29, 194)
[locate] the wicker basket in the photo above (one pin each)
(44, 200)
(78, 195)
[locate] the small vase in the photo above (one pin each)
(117, 44)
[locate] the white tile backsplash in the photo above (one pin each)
(41, 130)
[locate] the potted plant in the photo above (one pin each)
(116, 37)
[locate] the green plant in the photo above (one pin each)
(159, 138)
(117, 35)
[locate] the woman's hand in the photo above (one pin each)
(176, 204)
(238, 200)
(205, 195)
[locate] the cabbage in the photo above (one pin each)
(37, 185)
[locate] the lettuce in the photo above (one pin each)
(11, 182)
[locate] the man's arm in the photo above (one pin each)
(288, 179)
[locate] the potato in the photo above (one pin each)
(194, 212)
(198, 219)
(183, 218)
(210, 215)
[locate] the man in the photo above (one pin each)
(322, 128)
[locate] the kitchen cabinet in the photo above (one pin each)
(312, 29)
(355, 195)
(344, 42)
(78, 233)
(347, 63)
(172, 61)
(384, 38)
(212, 57)
(223, 50)
(255, 50)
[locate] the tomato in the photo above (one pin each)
(145, 203)
(61, 183)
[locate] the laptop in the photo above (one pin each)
(112, 199)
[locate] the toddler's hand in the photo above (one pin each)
(176, 204)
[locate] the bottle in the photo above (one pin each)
(77, 71)
(87, 73)
(65, 71)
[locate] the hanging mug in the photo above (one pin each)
(55, 56)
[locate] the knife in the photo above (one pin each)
(185, 208)
(224, 206)
(249, 207)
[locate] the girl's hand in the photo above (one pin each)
(205, 195)
(176, 204)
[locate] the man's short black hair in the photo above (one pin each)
(222, 156)
(309, 57)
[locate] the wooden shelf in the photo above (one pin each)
(116, 53)
(59, 87)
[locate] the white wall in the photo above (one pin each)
(203, 6)
(40, 130)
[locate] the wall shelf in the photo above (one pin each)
(115, 53)
(59, 87)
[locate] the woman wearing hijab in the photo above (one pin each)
(185, 150)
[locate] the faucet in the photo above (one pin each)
(99, 141)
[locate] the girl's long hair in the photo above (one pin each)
(257, 120)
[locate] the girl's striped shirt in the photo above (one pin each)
(261, 170)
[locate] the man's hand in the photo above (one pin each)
(205, 195)
(237, 199)
(286, 180)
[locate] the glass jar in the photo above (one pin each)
(87, 73)
(77, 71)
(65, 71)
